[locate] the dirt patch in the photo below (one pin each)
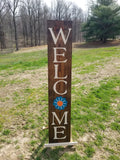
(111, 143)
(110, 69)
(116, 103)
(24, 50)
(17, 148)
(87, 138)
(35, 79)
(100, 154)
(31, 49)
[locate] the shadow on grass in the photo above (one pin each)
(55, 153)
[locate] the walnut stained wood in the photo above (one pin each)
(63, 130)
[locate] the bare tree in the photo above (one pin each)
(29, 9)
(26, 20)
(39, 14)
(24, 25)
(61, 10)
(46, 16)
(2, 14)
(77, 18)
(13, 5)
(34, 21)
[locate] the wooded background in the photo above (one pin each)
(23, 22)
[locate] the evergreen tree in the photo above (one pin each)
(103, 22)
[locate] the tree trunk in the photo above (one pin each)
(35, 36)
(31, 36)
(15, 29)
(104, 40)
(39, 35)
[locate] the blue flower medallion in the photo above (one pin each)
(60, 103)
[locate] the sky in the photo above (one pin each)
(81, 3)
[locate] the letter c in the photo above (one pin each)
(54, 87)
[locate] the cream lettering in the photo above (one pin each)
(56, 132)
(55, 55)
(55, 39)
(58, 120)
(55, 86)
(56, 73)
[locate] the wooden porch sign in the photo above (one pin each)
(59, 82)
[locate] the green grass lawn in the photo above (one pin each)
(95, 110)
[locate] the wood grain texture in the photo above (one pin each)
(63, 70)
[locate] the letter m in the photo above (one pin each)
(55, 39)
(58, 120)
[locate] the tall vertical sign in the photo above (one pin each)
(59, 81)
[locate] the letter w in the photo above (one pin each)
(55, 39)
(59, 121)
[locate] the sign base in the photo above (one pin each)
(60, 144)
